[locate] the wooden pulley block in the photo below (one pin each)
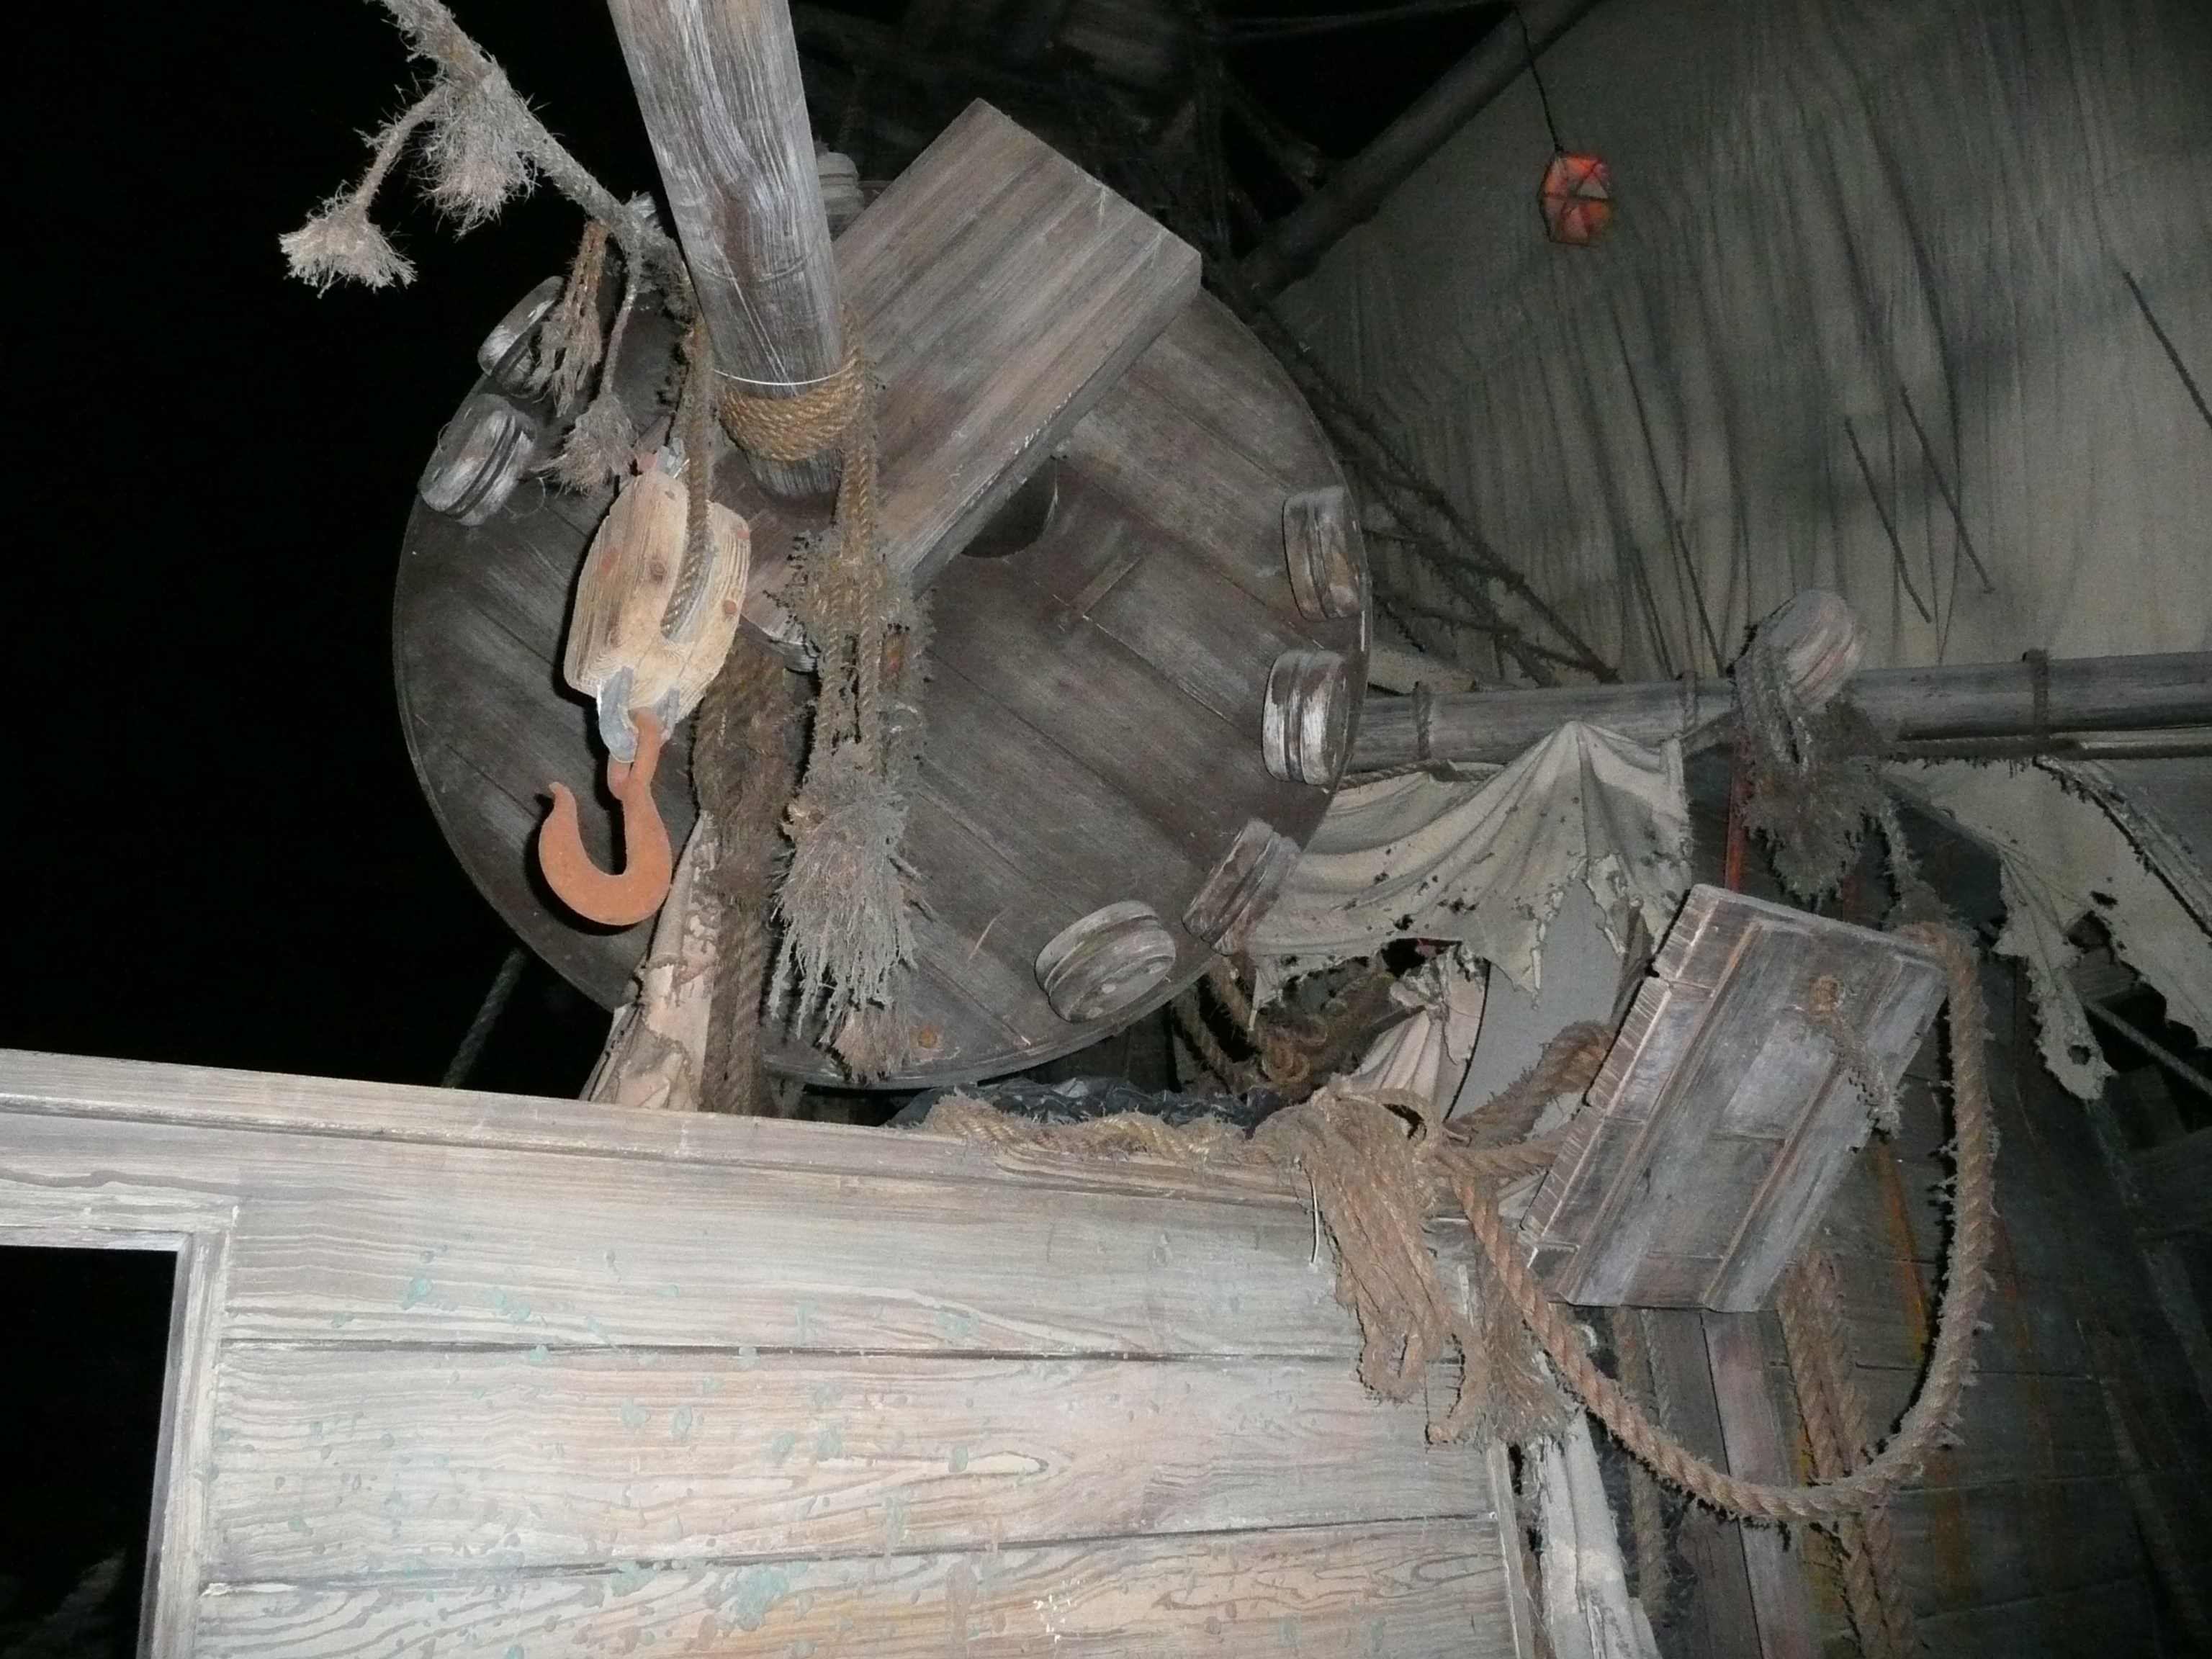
(640, 614)
(1817, 642)
(1241, 889)
(1328, 579)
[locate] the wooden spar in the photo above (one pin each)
(717, 84)
(1294, 244)
(1944, 701)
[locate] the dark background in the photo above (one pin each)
(217, 848)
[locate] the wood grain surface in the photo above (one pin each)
(1331, 1593)
(717, 84)
(553, 1377)
(434, 1460)
(1724, 1119)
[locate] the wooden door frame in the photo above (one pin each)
(175, 1545)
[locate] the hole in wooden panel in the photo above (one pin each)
(1023, 519)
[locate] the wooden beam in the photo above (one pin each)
(1356, 189)
(1751, 1429)
(719, 85)
(1945, 702)
(2176, 1181)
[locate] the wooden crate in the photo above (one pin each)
(1723, 1120)
(458, 1372)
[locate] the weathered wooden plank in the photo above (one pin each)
(1890, 1308)
(1156, 597)
(2013, 1426)
(1403, 1589)
(1173, 763)
(1145, 446)
(435, 1461)
(1751, 1431)
(1720, 1619)
(89, 1090)
(1886, 1208)
(1092, 837)
(340, 1240)
(177, 1541)
(2114, 1617)
(1972, 1545)
(1001, 291)
(2176, 1181)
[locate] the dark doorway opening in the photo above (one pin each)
(88, 1346)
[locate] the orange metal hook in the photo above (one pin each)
(621, 900)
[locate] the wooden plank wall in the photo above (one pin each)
(2028, 1537)
(530, 1376)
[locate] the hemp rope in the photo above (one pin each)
(1838, 1430)
(1824, 1012)
(744, 765)
(1375, 1263)
(846, 933)
(1288, 1050)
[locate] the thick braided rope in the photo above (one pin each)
(1837, 1424)
(1966, 1282)
(812, 420)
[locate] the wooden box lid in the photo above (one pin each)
(1723, 1118)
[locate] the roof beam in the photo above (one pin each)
(1298, 240)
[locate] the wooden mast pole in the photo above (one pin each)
(1956, 701)
(717, 84)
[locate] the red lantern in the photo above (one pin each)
(1577, 198)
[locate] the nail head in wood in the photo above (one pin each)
(1103, 962)
(1327, 576)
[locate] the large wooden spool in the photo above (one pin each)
(1100, 730)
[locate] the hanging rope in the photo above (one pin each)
(847, 935)
(1838, 1428)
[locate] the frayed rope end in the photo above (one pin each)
(342, 243)
(599, 446)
